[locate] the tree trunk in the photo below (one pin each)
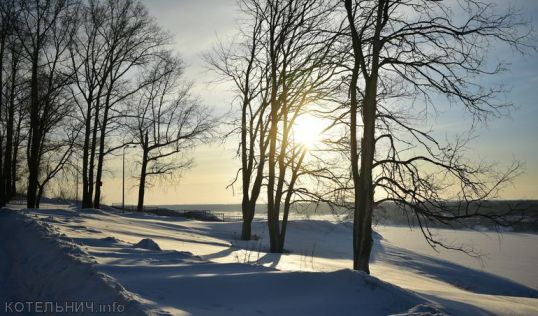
(14, 162)
(246, 211)
(362, 178)
(272, 208)
(92, 152)
(101, 157)
(284, 222)
(8, 156)
(255, 193)
(246, 229)
(86, 196)
(363, 229)
(91, 167)
(287, 200)
(354, 150)
(2, 182)
(277, 242)
(39, 195)
(33, 159)
(142, 184)
(3, 197)
(272, 212)
(246, 173)
(98, 176)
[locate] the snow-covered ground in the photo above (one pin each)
(201, 268)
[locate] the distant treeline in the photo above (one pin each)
(390, 213)
(525, 219)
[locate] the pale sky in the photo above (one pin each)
(196, 26)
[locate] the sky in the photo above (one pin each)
(196, 27)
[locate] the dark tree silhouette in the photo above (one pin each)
(295, 55)
(403, 50)
(45, 31)
(298, 51)
(13, 129)
(58, 150)
(116, 39)
(168, 122)
(13, 98)
(242, 63)
(9, 57)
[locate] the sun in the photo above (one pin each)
(307, 130)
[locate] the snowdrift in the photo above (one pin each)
(48, 266)
(45, 266)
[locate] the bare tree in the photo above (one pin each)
(58, 151)
(241, 63)
(58, 134)
(403, 50)
(296, 54)
(89, 59)
(13, 104)
(46, 30)
(140, 39)
(168, 122)
(116, 39)
(7, 17)
(14, 115)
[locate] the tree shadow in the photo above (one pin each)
(455, 274)
(220, 254)
(270, 260)
(250, 252)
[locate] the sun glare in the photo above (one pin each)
(307, 130)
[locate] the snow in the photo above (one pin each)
(165, 265)
(422, 310)
(146, 243)
(498, 250)
(4, 272)
(45, 265)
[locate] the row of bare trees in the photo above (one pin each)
(81, 80)
(33, 103)
(279, 67)
(375, 70)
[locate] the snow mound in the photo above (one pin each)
(46, 266)
(149, 244)
(423, 310)
(111, 239)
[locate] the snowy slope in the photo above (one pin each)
(46, 266)
(201, 269)
(4, 273)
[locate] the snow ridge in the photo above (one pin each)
(46, 266)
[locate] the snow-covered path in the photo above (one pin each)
(176, 282)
